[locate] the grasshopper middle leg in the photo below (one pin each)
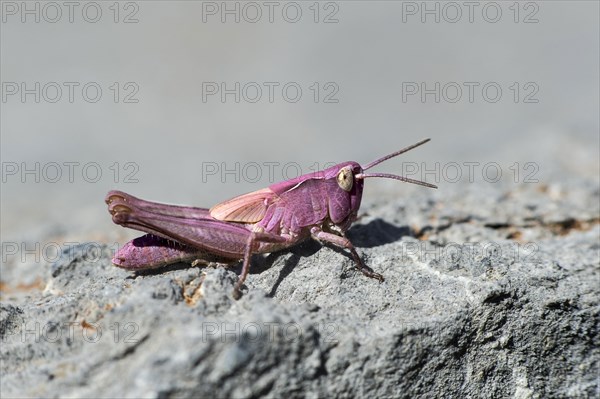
(253, 240)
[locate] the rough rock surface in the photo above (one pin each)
(488, 293)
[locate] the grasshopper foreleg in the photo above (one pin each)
(343, 242)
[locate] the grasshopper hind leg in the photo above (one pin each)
(152, 252)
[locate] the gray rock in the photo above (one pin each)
(489, 293)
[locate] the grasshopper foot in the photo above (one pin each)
(237, 293)
(369, 273)
(237, 289)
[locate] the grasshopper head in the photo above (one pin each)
(344, 190)
(346, 182)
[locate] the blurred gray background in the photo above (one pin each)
(542, 55)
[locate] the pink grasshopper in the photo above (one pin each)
(321, 205)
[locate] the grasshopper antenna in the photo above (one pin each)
(396, 177)
(392, 155)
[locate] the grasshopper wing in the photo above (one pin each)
(217, 237)
(187, 225)
(193, 227)
(115, 198)
(247, 208)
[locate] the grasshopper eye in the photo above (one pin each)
(345, 179)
